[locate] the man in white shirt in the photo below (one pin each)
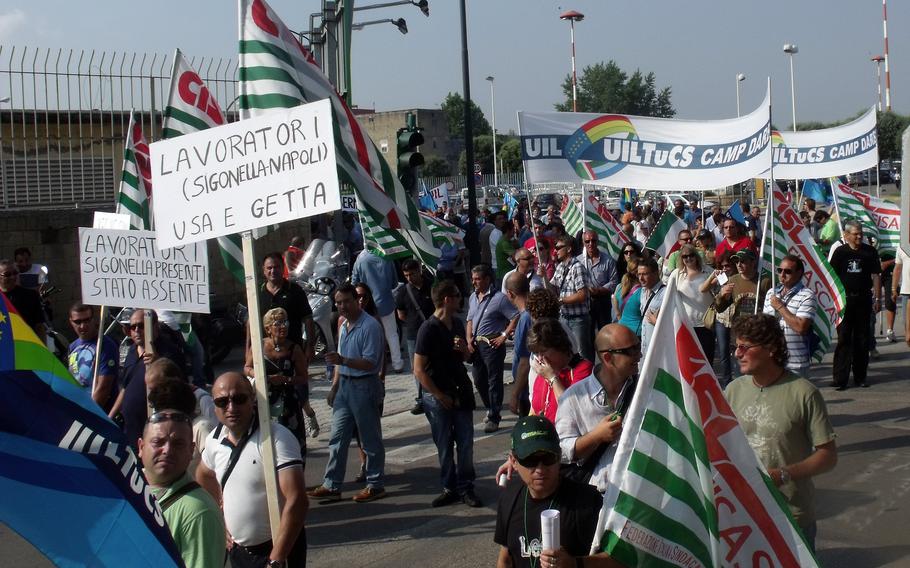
(900, 286)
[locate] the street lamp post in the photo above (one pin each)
(399, 23)
(491, 79)
(739, 79)
(878, 83)
(572, 16)
(790, 49)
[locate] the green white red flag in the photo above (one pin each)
(792, 237)
(570, 215)
(135, 178)
(884, 216)
(191, 107)
(689, 490)
(850, 206)
(276, 71)
(664, 238)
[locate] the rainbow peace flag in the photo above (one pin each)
(70, 483)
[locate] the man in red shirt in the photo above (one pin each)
(734, 239)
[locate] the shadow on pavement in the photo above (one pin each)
(871, 557)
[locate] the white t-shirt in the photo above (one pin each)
(695, 303)
(246, 513)
(904, 261)
(495, 235)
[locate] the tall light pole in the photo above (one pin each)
(790, 49)
(572, 16)
(491, 79)
(887, 67)
(878, 83)
(739, 79)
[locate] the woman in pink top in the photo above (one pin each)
(555, 365)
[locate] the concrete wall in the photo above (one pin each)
(383, 126)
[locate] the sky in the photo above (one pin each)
(696, 47)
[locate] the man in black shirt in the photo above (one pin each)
(448, 396)
(279, 292)
(413, 306)
(859, 269)
(27, 302)
(535, 456)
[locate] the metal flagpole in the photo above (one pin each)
(95, 365)
(768, 224)
(524, 169)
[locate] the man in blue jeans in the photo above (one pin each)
(448, 399)
(355, 398)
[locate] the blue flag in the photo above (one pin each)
(70, 483)
(426, 202)
(735, 212)
(628, 196)
(817, 190)
(511, 204)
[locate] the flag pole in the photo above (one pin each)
(770, 206)
(524, 169)
(834, 193)
(101, 314)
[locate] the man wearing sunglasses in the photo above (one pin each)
(603, 277)
(231, 470)
(783, 416)
(571, 284)
(192, 515)
(81, 357)
(535, 456)
(794, 305)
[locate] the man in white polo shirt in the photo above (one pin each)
(794, 305)
(231, 470)
(900, 286)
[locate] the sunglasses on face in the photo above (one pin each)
(159, 417)
(590, 241)
(629, 351)
(236, 400)
(535, 460)
(787, 271)
(560, 247)
(81, 321)
(280, 323)
(686, 256)
(742, 348)
(137, 326)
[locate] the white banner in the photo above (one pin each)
(837, 151)
(126, 268)
(440, 194)
(105, 220)
(645, 153)
(276, 167)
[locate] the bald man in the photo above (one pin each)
(589, 417)
(244, 500)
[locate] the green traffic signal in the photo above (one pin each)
(409, 158)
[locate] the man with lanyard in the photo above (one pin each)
(795, 306)
(413, 306)
(570, 282)
(603, 277)
(81, 358)
(279, 292)
(652, 296)
(192, 515)
(491, 318)
(589, 416)
(355, 398)
(859, 269)
(231, 471)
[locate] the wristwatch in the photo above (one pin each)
(784, 476)
(277, 563)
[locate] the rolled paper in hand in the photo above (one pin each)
(549, 529)
(503, 480)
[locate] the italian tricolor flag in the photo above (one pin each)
(664, 238)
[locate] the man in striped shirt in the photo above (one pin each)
(794, 305)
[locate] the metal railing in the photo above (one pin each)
(64, 113)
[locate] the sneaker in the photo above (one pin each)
(362, 476)
(471, 500)
(489, 427)
(312, 426)
(889, 335)
(324, 495)
(417, 409)
(445, 498)
(508, 381)
(370, 494)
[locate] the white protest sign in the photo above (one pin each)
(105, 220)
(276, 167)
(126, 268)
(440, 193)
(349, 202)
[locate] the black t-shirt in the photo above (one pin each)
(578, 504)
(856, 267)
(404, 303)
(445, 366)
(28, 304)
(293, 299)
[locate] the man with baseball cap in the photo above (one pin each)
(535, 456)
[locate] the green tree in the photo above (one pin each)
(604, 87)
(890, 128)
(510, 155)
(435, 167)
(483, 155)
(453, 106)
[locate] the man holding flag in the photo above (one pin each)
(784, 417)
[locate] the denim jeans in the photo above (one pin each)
(581, 329)
(358, 401)
(453, 434)
(412, 347)
(723, 351)
(488, 378)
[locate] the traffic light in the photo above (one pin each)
(409, 158)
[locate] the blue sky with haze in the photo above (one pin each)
(697, 47)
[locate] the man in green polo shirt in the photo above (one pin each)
(193, 517)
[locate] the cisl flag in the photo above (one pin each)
(689, 489)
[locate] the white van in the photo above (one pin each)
(487, 197)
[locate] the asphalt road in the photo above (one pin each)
(863, 505)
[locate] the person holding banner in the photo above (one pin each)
(82, 355)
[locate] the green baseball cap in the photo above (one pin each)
(533, 434)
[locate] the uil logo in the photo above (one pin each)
(777, 139)
(587, 148)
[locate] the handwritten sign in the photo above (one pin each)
(104, 220)
(277, 167)
(126, 268)
(348, 202)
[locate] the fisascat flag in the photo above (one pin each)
(70, 483)
(645, 153)
(570, 215)
(135, 178)
(664, 238)
(276, 71)
(689, 489)
(792, 237)
(191, 107)
(836, 151)
(880, 218)
(602, 222)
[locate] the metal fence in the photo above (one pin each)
(64, 113)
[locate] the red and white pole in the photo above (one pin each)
(574, 78)
(887, 68)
